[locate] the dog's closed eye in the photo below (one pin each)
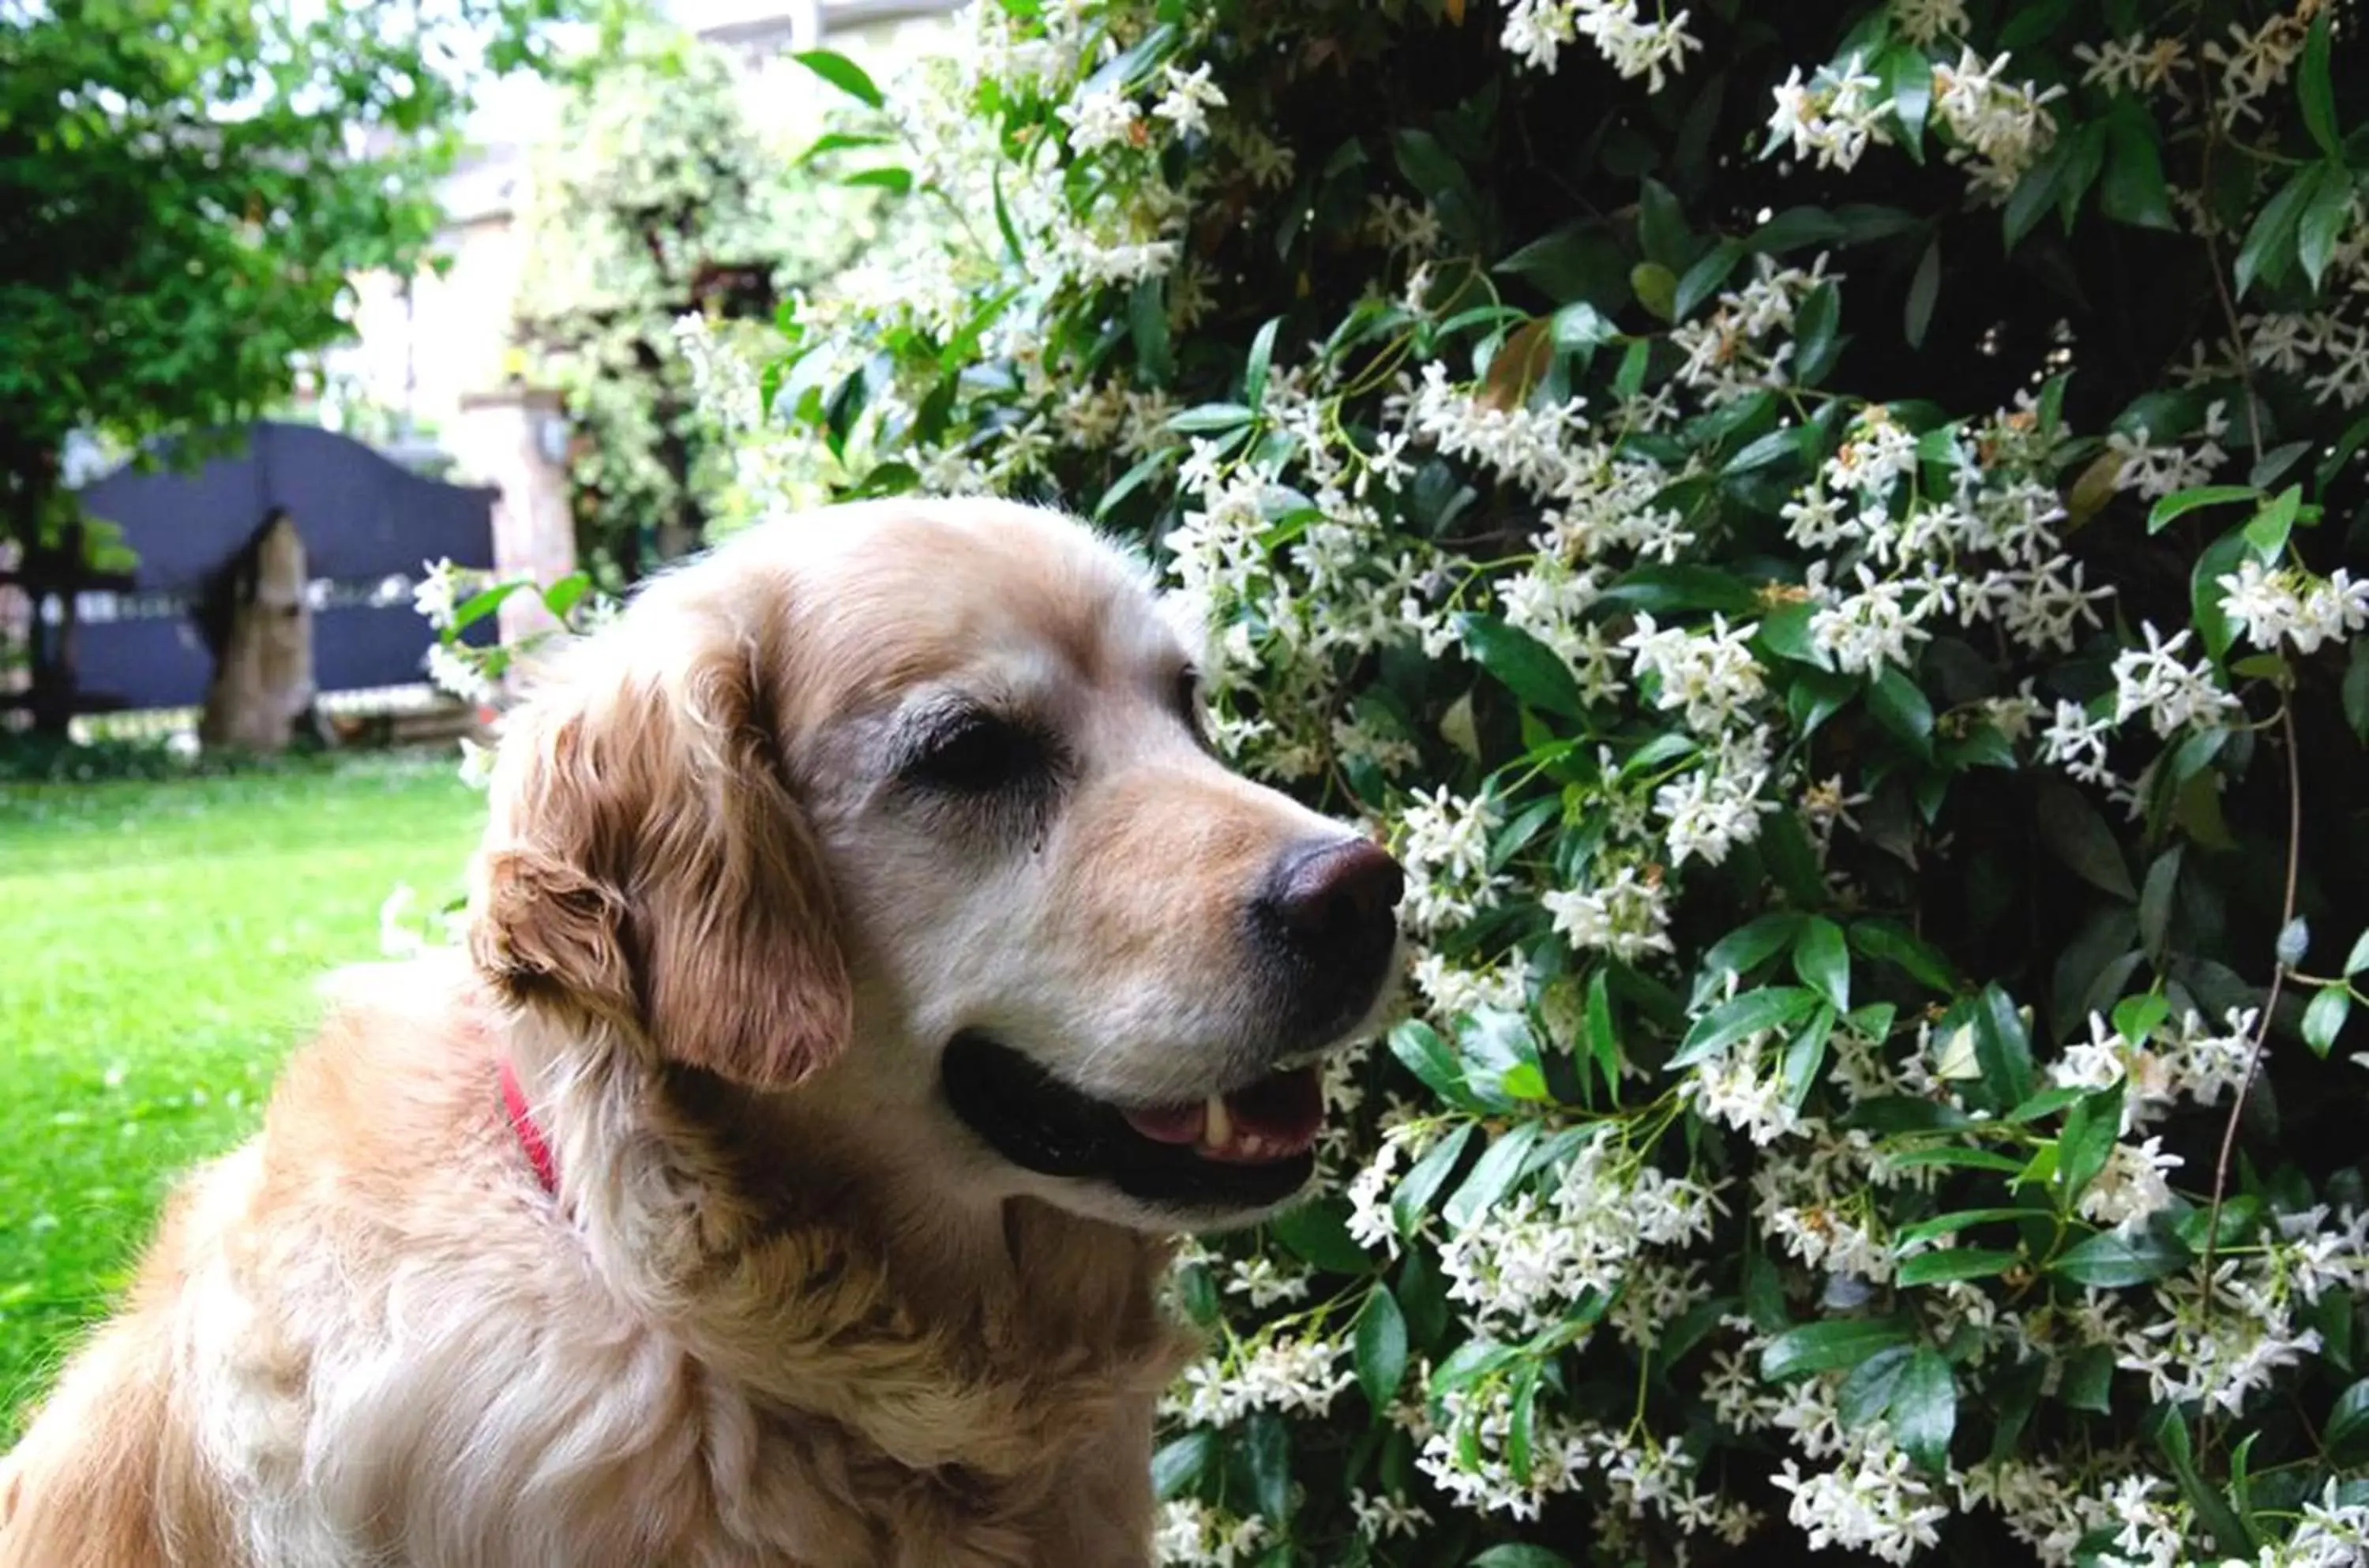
(973, 752)
(1185, 699)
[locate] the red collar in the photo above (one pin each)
(530, 1136)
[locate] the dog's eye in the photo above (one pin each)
(1186, 700)
(980, 754)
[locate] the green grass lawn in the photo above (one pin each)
(159, 944)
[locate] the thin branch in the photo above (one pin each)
(2263, 1024)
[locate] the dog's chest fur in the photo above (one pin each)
(475, 1379)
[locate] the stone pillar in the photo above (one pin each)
(515, 439)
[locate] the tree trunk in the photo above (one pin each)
(53, 667)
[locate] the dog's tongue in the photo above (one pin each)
(1274, 1118)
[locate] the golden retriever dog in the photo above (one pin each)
(868, 969)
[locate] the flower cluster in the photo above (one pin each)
(1840, 718)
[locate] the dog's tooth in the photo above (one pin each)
(1217, 1127)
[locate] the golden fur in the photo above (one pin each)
(780, 1311)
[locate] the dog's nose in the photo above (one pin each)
(1332, 902)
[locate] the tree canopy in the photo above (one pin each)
(191, 184)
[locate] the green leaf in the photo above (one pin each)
(844, 141)
(2179, 503)
(1866, 1394)
(2326, 214)
(1814, 335)
(1888, 941)
(1958, 1263)
(1318, 1233)
(1828, 1344)
(2078, 836)
(2092, 1127)
(2082, 166)
(1659, 588)
(484, 602)
(2275, 464)
(1515, 1556)
(844, 73)
(1745, 949)
(1265, 1450)
(1764, 1292)
(1630, 380)
(1804, 1055)
(1795, 228)
(2111, 1260)
(1133, 480)
(1255, 372)
(1572, 265)
(2317, 90)
(1381, 1347)
(1661, 226)
(1418, 1044)
(1749, 1013)
(2138, 1017)
(2155, 901)
(2229, 1532)
(1924, 288)
(1910, 77)
(2267, 531)
(1496, 1046)
(2347, 447)
(1775, 447)
(1901, 707)
(1961, 1219)
(1525, 666)
(1924, 1413)
(1656, 287)
(2002, 1046)
(2325, 1017)
(1210, 417)
(2013, 1393)
(1603, 1045)
(2220, 559)
(1702, 280)
(2270, 243)
(1499, 1167)
(2344, 1438)
(2034, 193)
(1182, 1461)
(1579, 329)
(895, 180)
(2087, 1380)
(1522, 1424)
(2356, 690)
(1961, 1159)
(1134, 63)
(1906, 1113)
(1822, 957)
(565, 594)
(1411, 1198)
(2134, 191)
(2358, 959)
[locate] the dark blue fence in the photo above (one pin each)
(368, 525)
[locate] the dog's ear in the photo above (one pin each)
(646, 865)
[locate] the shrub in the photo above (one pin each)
(1816, 532)
(658, 195)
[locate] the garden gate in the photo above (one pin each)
(368, 525)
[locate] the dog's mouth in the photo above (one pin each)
(1247, 1148)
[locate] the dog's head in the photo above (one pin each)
(907, 808)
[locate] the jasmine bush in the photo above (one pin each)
(1818, 532)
